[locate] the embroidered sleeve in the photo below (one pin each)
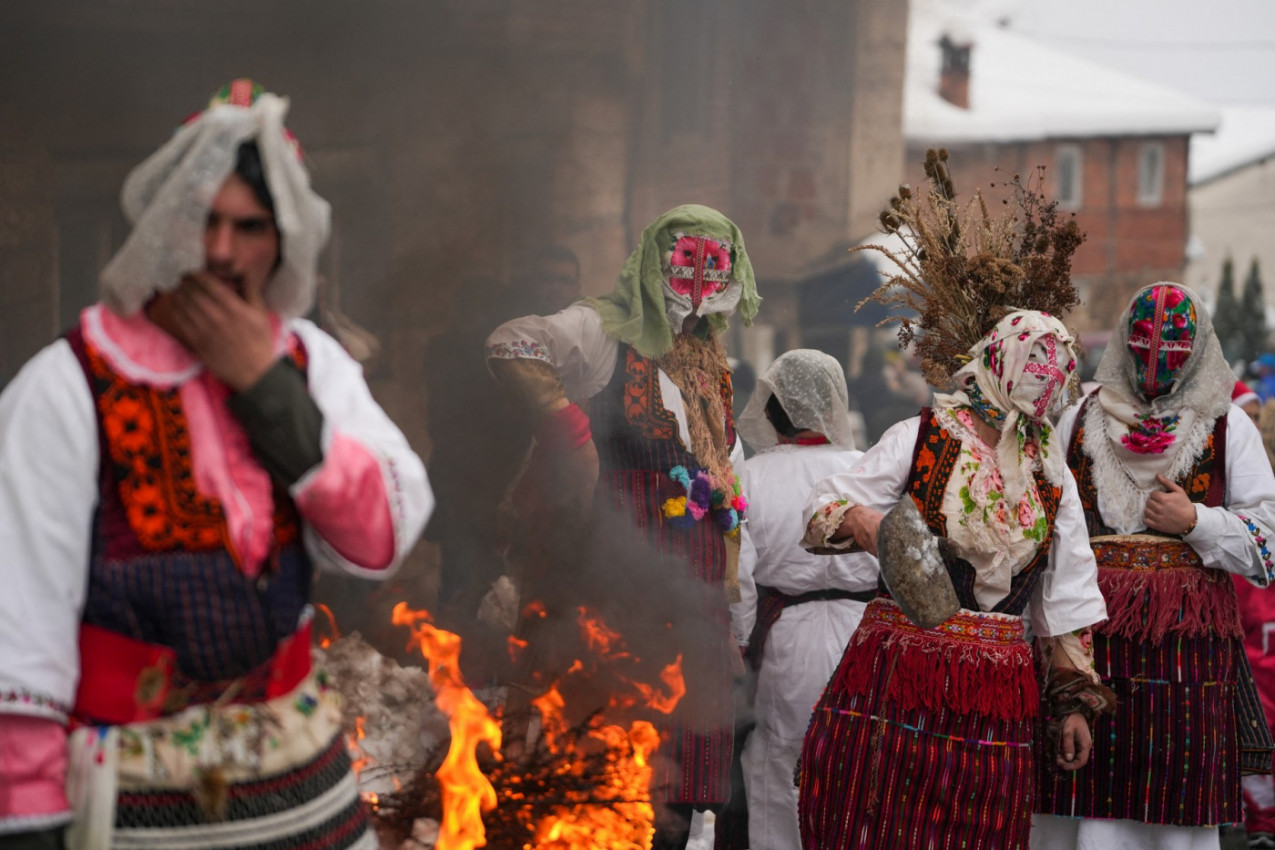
(877, 481)
(1073, 650)
(366, 504)
(823, 525)
(1239, 537)
(48, 492)
(571, 342)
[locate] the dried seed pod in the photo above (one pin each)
(905, 191)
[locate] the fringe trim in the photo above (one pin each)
(935, 674)
(1149, 605)
(696, 367)
(1121, 502)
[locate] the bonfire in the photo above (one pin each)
(559, 785)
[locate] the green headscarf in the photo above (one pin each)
(634, 312)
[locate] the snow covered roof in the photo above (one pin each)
(1246, 135)
(1021, 89)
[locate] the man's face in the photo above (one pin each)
(241, 241)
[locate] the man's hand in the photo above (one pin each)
(230, 334)
(1075, 743)
(1172, 511)
(861, 523)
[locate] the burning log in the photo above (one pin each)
(584, 787)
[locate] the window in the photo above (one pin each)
(1150, 173)
(1069, 176)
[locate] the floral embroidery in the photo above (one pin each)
(524, 349)
(643, 403)
(825, 522)
(1152, 435)
(149, 449)
(23, 701)
(983, 498)
(1260, 539)
(306, 704)
(190, 737)
(698, 266)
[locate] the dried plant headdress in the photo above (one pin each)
(962, 269)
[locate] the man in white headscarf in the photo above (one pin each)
(171, 471)
(808, 605)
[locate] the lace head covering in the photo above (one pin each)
(167, 198)
(1164, 382)
(689, 260)
(811, 387)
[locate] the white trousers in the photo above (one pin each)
(1055, 833)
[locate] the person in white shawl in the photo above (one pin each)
(1177, 494)
(171, 471)
(798, 421)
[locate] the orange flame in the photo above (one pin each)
(600, 637)
(466, 791)
(334, 633)
(671, 676)
(550, 705)
(535, 608)
(623, 825)
(516, 646)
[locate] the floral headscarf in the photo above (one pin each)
(1164, 383)
(1016, 378)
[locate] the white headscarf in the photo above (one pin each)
(1180, 420)
(811, 386)
(168, 196)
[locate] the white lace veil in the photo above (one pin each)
(167, 198)
(811, 386)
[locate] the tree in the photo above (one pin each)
(1253, 315)
(1226, 314)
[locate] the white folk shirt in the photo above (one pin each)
(806, 643)
(1066, 596)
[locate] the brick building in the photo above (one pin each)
(452, 138)
(1114, 148)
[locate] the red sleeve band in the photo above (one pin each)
(566, 429)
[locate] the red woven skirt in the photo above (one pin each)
(923, 737)
(1172, 653)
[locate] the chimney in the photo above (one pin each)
(954, 77)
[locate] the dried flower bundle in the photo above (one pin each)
(961, 268)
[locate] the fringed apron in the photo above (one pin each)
(924, 737)
(198, 720)
(1188, 720)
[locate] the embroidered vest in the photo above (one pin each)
(933, 461)
(163, 565)
(1205, 483)
(631, 427)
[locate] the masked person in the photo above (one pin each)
(924, 737)
(1177, 493)
(658, 443)
(173, 469)
(808, 605)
